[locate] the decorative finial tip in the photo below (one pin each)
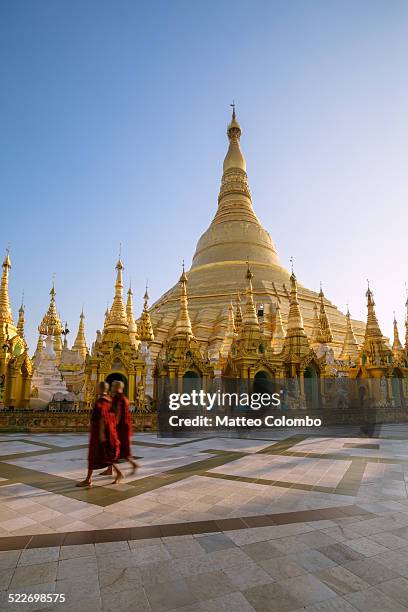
(7, 262)
(183, 277)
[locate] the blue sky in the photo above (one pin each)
(112, 129)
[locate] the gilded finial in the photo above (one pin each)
(144, 327)
(369, 293)
(7, 262)
(183, 277)
(233, 109)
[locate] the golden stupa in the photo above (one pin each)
(217, 274)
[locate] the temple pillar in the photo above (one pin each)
(302, 384)
(11, 389)
(131, 390)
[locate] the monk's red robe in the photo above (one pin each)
(120, 406)
(102, 454)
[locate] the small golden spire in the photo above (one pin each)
(238, 312)
(6, 315)
(231, 319)
(325, 336)
(230, 333)
(106, 316)
(145, 328)
(397, 348)
(350, 348)
(295, 319)
(250, 319)
(117, 314)
(51, 323)
(296, 343)
(40, 346)
(372, 328)
(21, 319)
(80, 341)
(132, 326)
(279, 332)
(315, 335)
(183, 323)
(375, 348)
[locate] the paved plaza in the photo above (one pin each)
(292, 522)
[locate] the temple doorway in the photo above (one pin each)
(397, 390)
(263, 383)
(311, 380)
(191, 381)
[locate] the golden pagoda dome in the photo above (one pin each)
(235, 236)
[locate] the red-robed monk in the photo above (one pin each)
(103, 441)
(120, 407)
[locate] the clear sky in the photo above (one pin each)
(112, 129)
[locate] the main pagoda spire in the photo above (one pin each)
(235, 233)
(6, 316)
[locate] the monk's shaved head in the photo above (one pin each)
(103, 387)
(118, 386)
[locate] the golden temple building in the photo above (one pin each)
(116, 353)
(15, 364)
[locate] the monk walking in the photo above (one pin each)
(103, 441)
(120, 407)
